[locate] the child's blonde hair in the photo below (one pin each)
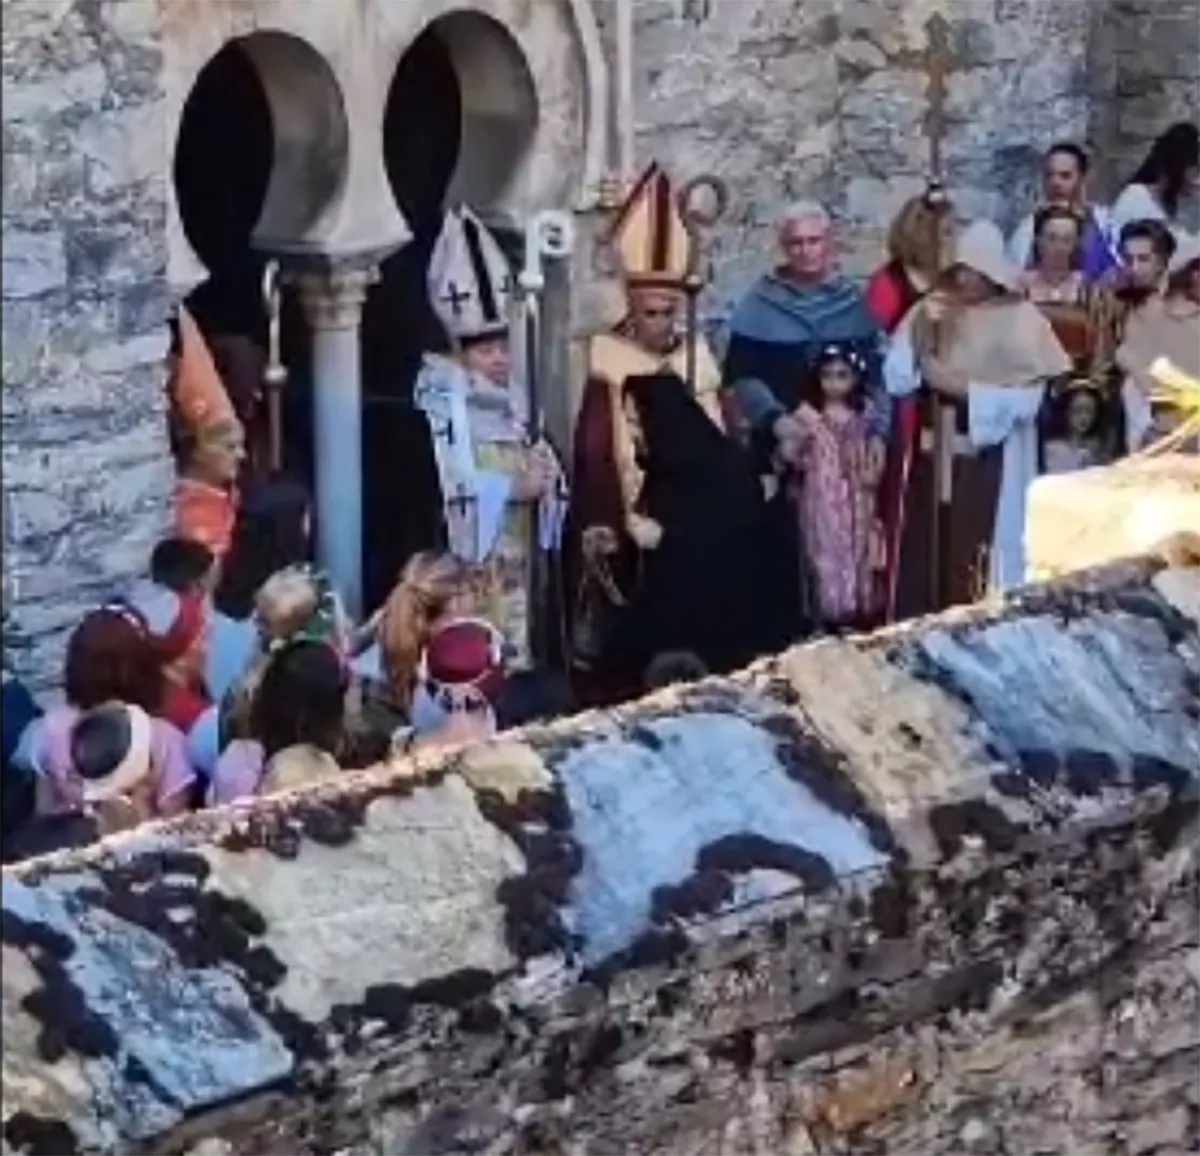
(428, 586)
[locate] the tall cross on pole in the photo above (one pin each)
(938, 64)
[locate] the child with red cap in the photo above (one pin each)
(459, 679)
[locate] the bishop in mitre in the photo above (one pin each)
(654, 247)
(501, 485)
(978, 357)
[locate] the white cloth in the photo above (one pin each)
(1139, 416)
(468, 277)
(474, 498)
(232, 645)
(900, 375)
(996, 415)
(1138, 203)
(461, 414)
(1007, 415)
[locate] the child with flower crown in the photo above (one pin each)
(835, 490)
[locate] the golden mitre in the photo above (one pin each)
(649, 235)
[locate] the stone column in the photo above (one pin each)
(333, 303)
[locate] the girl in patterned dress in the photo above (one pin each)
(835, 491)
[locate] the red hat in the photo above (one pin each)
(464, 654)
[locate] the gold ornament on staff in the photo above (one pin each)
(275, 375)
(696, 218)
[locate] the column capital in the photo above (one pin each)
(333, 298)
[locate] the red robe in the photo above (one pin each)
(890, 294)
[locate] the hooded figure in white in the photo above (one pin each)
(501, 485)
(988, 374)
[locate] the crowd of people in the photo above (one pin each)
(861, 455)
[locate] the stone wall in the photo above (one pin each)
(86, 469)
(827, 98)
(930, 893)
(1146, 74)
(781, 99)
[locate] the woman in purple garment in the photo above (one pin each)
(1064, 186)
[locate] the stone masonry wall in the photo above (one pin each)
(86, 471)
(1148, 51)
(826, 98)
(927, 893)
(782, 99)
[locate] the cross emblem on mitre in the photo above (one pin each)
(469, 278)
(456, 298)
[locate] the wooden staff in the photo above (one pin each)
(937, 67)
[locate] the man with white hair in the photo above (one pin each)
(777, 332)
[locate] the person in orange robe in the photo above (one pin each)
(211, 443)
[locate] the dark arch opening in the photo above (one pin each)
(223, 158)
(422, 133)
(224, 153)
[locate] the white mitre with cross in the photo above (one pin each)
(469, 280)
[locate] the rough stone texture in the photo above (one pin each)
(826, 99)
(929, 892)
(1147, 74)
(1094, 516)
(86, 470)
